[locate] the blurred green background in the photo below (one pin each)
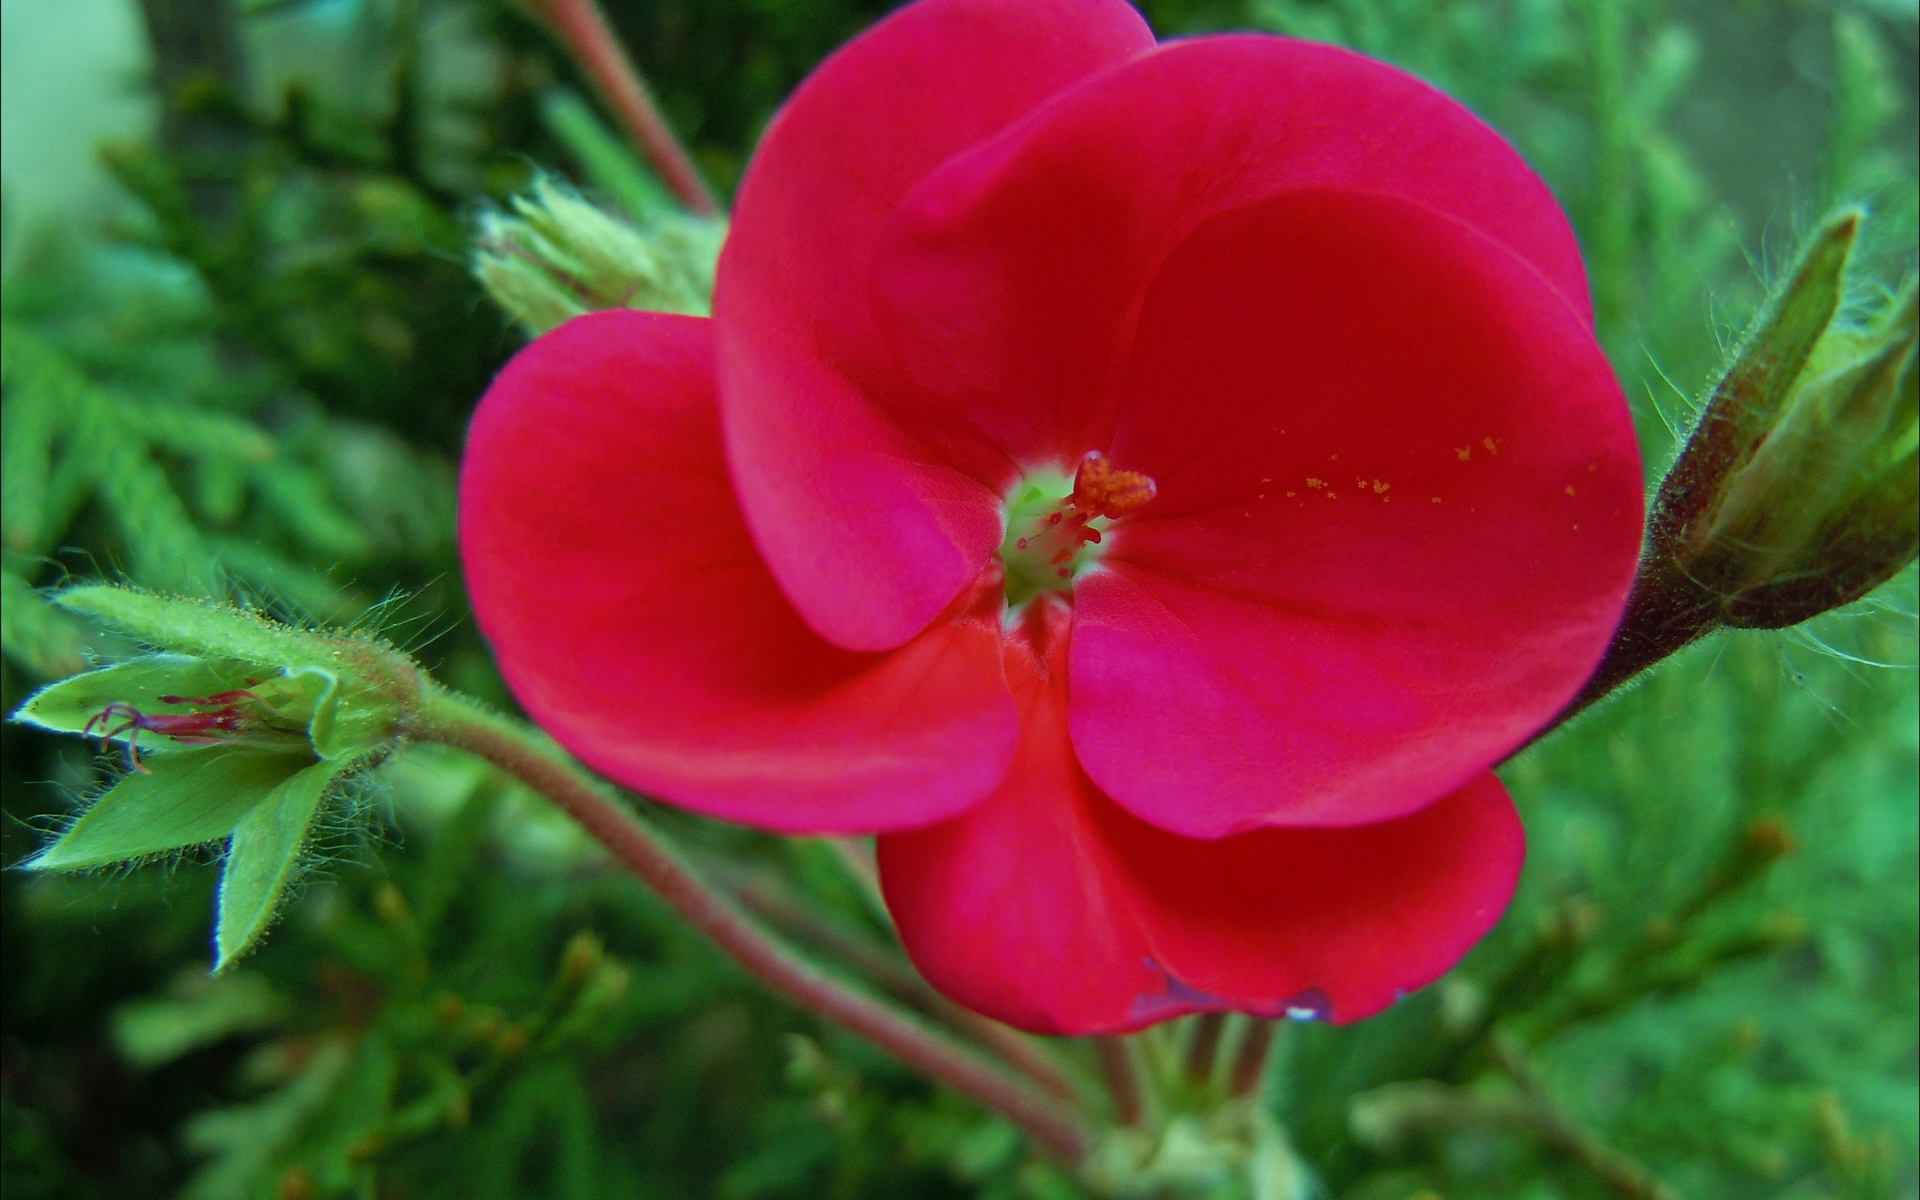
(241, 342)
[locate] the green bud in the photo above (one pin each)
(1799, 490)
(554, 255)
(247, 727)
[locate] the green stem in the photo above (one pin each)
(583, 28)
(454, 721)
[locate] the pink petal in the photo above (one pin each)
(868, 533)
(1013, 909)
(1050, 908)
(1398, 514)
(634, 620)
(1330, 923)
(1010, 279)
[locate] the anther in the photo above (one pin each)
(1101, 489)
(1052, 521)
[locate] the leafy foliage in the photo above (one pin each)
(253, 385)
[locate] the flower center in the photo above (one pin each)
(1054, 523)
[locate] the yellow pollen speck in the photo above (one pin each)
(1290, 495)
(1488, 443)
(1465, 453)
(1380, 487)
(1569, 489)
(1267, 480)
(1331, 496)
(1436, 499)
(1333, 458)
(1315, 483)
(1261, 496)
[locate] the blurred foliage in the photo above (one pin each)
(254, 382)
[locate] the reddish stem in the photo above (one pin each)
(1123, 1079)
(894, 976)
(583, 28)
(1205, 1047)
(1250, 1062)
(455, 722)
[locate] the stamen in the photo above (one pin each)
(1051, 523)
(1101, 489)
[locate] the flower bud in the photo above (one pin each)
(555, 255)
(582, 958)
(1799, 491)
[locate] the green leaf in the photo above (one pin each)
(1778, 344)
(70, 705)
(330, 737)
(184, 799)
(35, 634)
(244, 1144)
(610, 166)
(198, 627)
(262, 858)
(199, 1011)
(351, 691)
(281, 706)
(26, 455)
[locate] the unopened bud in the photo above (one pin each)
(512, 1042)
(1786, 927)
(297, 1184)
(391, 903)
(1769, 838)
(555, 255)
(582, 958)
(1800, 490)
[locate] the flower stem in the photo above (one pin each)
(1250, 1061)
(896, 977)
(454, 721)
(583, 28)
(1665, 614)
(1123, 1079)
(1204, 1047)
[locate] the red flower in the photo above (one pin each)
(1209, 728)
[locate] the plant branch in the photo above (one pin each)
(1619, 1172)
(457, 722)
(583, 28)
(1389, 1115)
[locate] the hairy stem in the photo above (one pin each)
(589, 39)
(1665, 614)
(456, 722)
(895, 976)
